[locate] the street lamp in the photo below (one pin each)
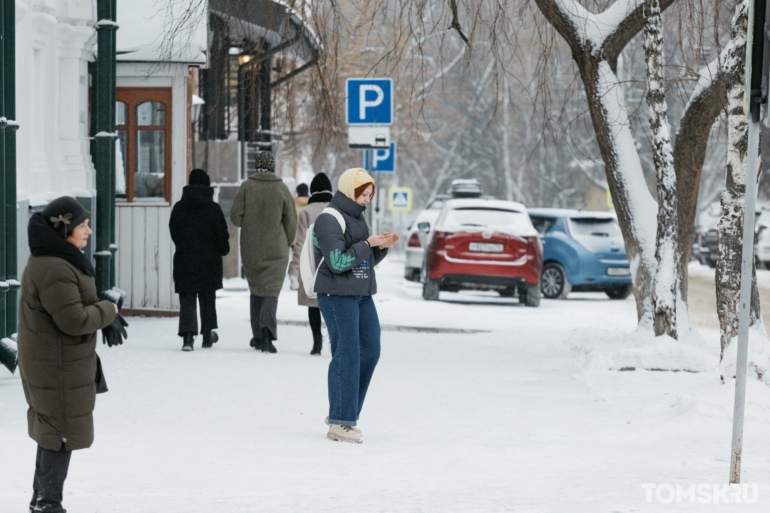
(197, 103)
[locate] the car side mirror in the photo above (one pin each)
(424, 227)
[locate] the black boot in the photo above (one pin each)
(318, 342)
(256, 343)
(267, 341)
(210, 338)
(189, 338)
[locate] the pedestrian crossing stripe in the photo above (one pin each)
(400, 199)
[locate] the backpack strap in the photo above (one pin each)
(337, 215)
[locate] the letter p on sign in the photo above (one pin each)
(364, 103)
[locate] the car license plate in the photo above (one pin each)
(486, 247)
(618, 271)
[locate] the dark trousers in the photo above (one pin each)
(314, 316)
(263, 315)
(50, 472)
(188, 314)
(354, 333)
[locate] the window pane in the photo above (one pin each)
(601, 227)
(150, 174)
(151, 114)
(121, 113)
(121, 161)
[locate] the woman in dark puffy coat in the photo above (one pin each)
(199, 231)
(345, 284)
(59, 315)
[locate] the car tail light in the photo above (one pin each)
(414, 241)
(439, 235)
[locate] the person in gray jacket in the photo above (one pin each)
(264, 210)
(320, 196)
(344, 286)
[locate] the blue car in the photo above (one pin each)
(582, 251)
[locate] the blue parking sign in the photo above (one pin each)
(369, 101)
(384, 160)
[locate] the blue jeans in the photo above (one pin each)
(354, 332)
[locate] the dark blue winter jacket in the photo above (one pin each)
(348, 266)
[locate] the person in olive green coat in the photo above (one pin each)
(264, 210)
(59, 315)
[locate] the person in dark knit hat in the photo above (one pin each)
(59, 315)
(321, 195)
(199, 231)
(263, 209)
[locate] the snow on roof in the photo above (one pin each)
(485, 203)
(571, 213)
(273, 21)
(146, 26)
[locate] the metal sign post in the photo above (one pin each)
(369, 114)
(371, 211)
(755, 95)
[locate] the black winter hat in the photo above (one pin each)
(302, 190)
(200, 177)
(320, 183)
(64, 214)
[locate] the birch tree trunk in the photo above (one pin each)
(597, 63)
(730, 228)
(596, 58)
(667, 274)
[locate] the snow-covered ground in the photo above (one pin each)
(510, 409)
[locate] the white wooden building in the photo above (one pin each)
(154, 92)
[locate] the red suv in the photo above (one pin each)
(479, 244)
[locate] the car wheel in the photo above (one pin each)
(766, 265)
(430, 290)
(711, 263)
(530, 295)
(619, 292)
(553, 281)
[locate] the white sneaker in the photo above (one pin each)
(354, 427)
(340, 433)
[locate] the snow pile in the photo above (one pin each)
(716, 400)
(759, 356)
(642, 350)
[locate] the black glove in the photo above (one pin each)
(114, 334)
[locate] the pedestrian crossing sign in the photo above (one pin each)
(400, 199)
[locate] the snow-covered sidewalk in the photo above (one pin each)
(513, 417)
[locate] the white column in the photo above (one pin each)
(23, 84)
(41, 103)
(73, 111)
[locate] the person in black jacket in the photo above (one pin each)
(199, 231)
(345, 283)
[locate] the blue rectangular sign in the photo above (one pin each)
(369, 101)
(384, 160)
